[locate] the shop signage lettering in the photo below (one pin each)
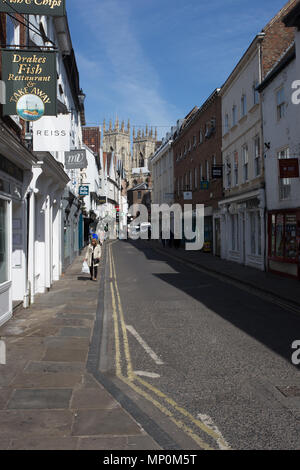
(52, 134)
(84, 190)
(31, 87)
(217, 171)
(34, 7)
(289, 168)
(75, 160)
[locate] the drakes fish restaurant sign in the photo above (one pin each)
(30, 79)
(34, 7)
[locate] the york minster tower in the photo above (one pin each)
(118, 139)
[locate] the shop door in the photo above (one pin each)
(218, 237)
(298, 243)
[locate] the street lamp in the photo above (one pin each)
(81, 97)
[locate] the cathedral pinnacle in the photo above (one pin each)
(104, 125)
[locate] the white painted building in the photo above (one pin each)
(281, 118)
(70, 101)
(40, 213)
(162, 169)
(243, 208)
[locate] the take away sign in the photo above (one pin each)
(34, 7)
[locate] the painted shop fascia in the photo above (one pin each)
(16, 164)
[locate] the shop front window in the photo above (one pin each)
(290, 236)
(3, 242)
(280, 236)
(273, 235)
(284, 236)
(253, 232)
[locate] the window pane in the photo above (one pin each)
(259, 233)
(3, 242)
(253, 232)
(290, 236)
(233, 232)
(280, 235)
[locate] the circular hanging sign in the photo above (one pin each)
(30, 107)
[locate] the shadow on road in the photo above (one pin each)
(270, 324)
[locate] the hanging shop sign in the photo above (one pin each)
(289, 167)
(34, 7)
(30, 79)
(52, 134)
(204, 185)
(188, 196)
(76, 160)
(84, 190)
(217, 171)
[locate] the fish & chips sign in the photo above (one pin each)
(34, 7)
(31, 84)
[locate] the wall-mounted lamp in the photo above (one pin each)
(81, 97)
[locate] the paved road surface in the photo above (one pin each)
(207, 361)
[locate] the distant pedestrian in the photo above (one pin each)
(93, 256)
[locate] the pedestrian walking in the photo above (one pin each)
(93, 256)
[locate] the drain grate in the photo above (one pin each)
(290, 391)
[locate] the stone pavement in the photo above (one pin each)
(48, 400)
(285, 289)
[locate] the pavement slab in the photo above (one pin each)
(45, 443)
(41, 399)
(16, 424)
(65, 355)
(92, 398)
(103, 443)
(115, 422)
(75, 332)
(47, 380)
(5, 393)
(54, 367)
(48, 400)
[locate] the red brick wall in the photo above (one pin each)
(277, 39)
(92, 138)
(199, 155)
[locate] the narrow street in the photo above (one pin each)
(209, 363)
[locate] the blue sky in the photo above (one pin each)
(153, 60)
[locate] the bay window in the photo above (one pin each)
(3, 241)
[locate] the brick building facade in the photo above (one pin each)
(92, 138)
(197, 150)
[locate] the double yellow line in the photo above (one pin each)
(135, 382)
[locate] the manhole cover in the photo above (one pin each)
(290, 391)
